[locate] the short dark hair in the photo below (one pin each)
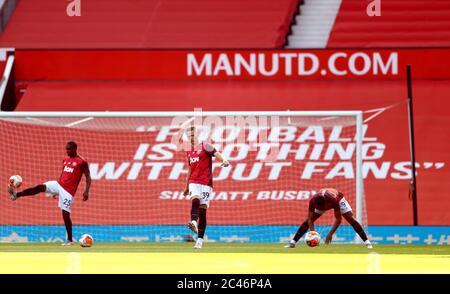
(72, 144)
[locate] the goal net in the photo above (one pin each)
(138, 167)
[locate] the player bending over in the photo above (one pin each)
(73, 168)
(327, 199)
(200, 182)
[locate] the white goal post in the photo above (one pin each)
(320, 140)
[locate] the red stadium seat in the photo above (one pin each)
(413, 23)
(151, 24)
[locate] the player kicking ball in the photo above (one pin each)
(200, 182)
(327, 199)
(74, 166)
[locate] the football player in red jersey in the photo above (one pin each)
(74, 166)
(326, 199)
(200, 182)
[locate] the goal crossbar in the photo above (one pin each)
(338, 113)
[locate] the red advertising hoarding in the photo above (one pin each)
(132, 65)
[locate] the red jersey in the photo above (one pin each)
(200, 162)
(73, 168)
(331, 199)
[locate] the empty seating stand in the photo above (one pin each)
(413, 23)
(151, 24)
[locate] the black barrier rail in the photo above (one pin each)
(413, 185)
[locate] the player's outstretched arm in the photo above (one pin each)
(87, 174)
(221, 158)
(337, 222)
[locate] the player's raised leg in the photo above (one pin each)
(357, 227)
(301, 231)
(13, 194)
(194, 215)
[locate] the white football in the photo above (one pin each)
(15, 181)
(312, 239)
(86, 240)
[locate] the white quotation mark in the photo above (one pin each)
(374, 8)
(74, 8)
